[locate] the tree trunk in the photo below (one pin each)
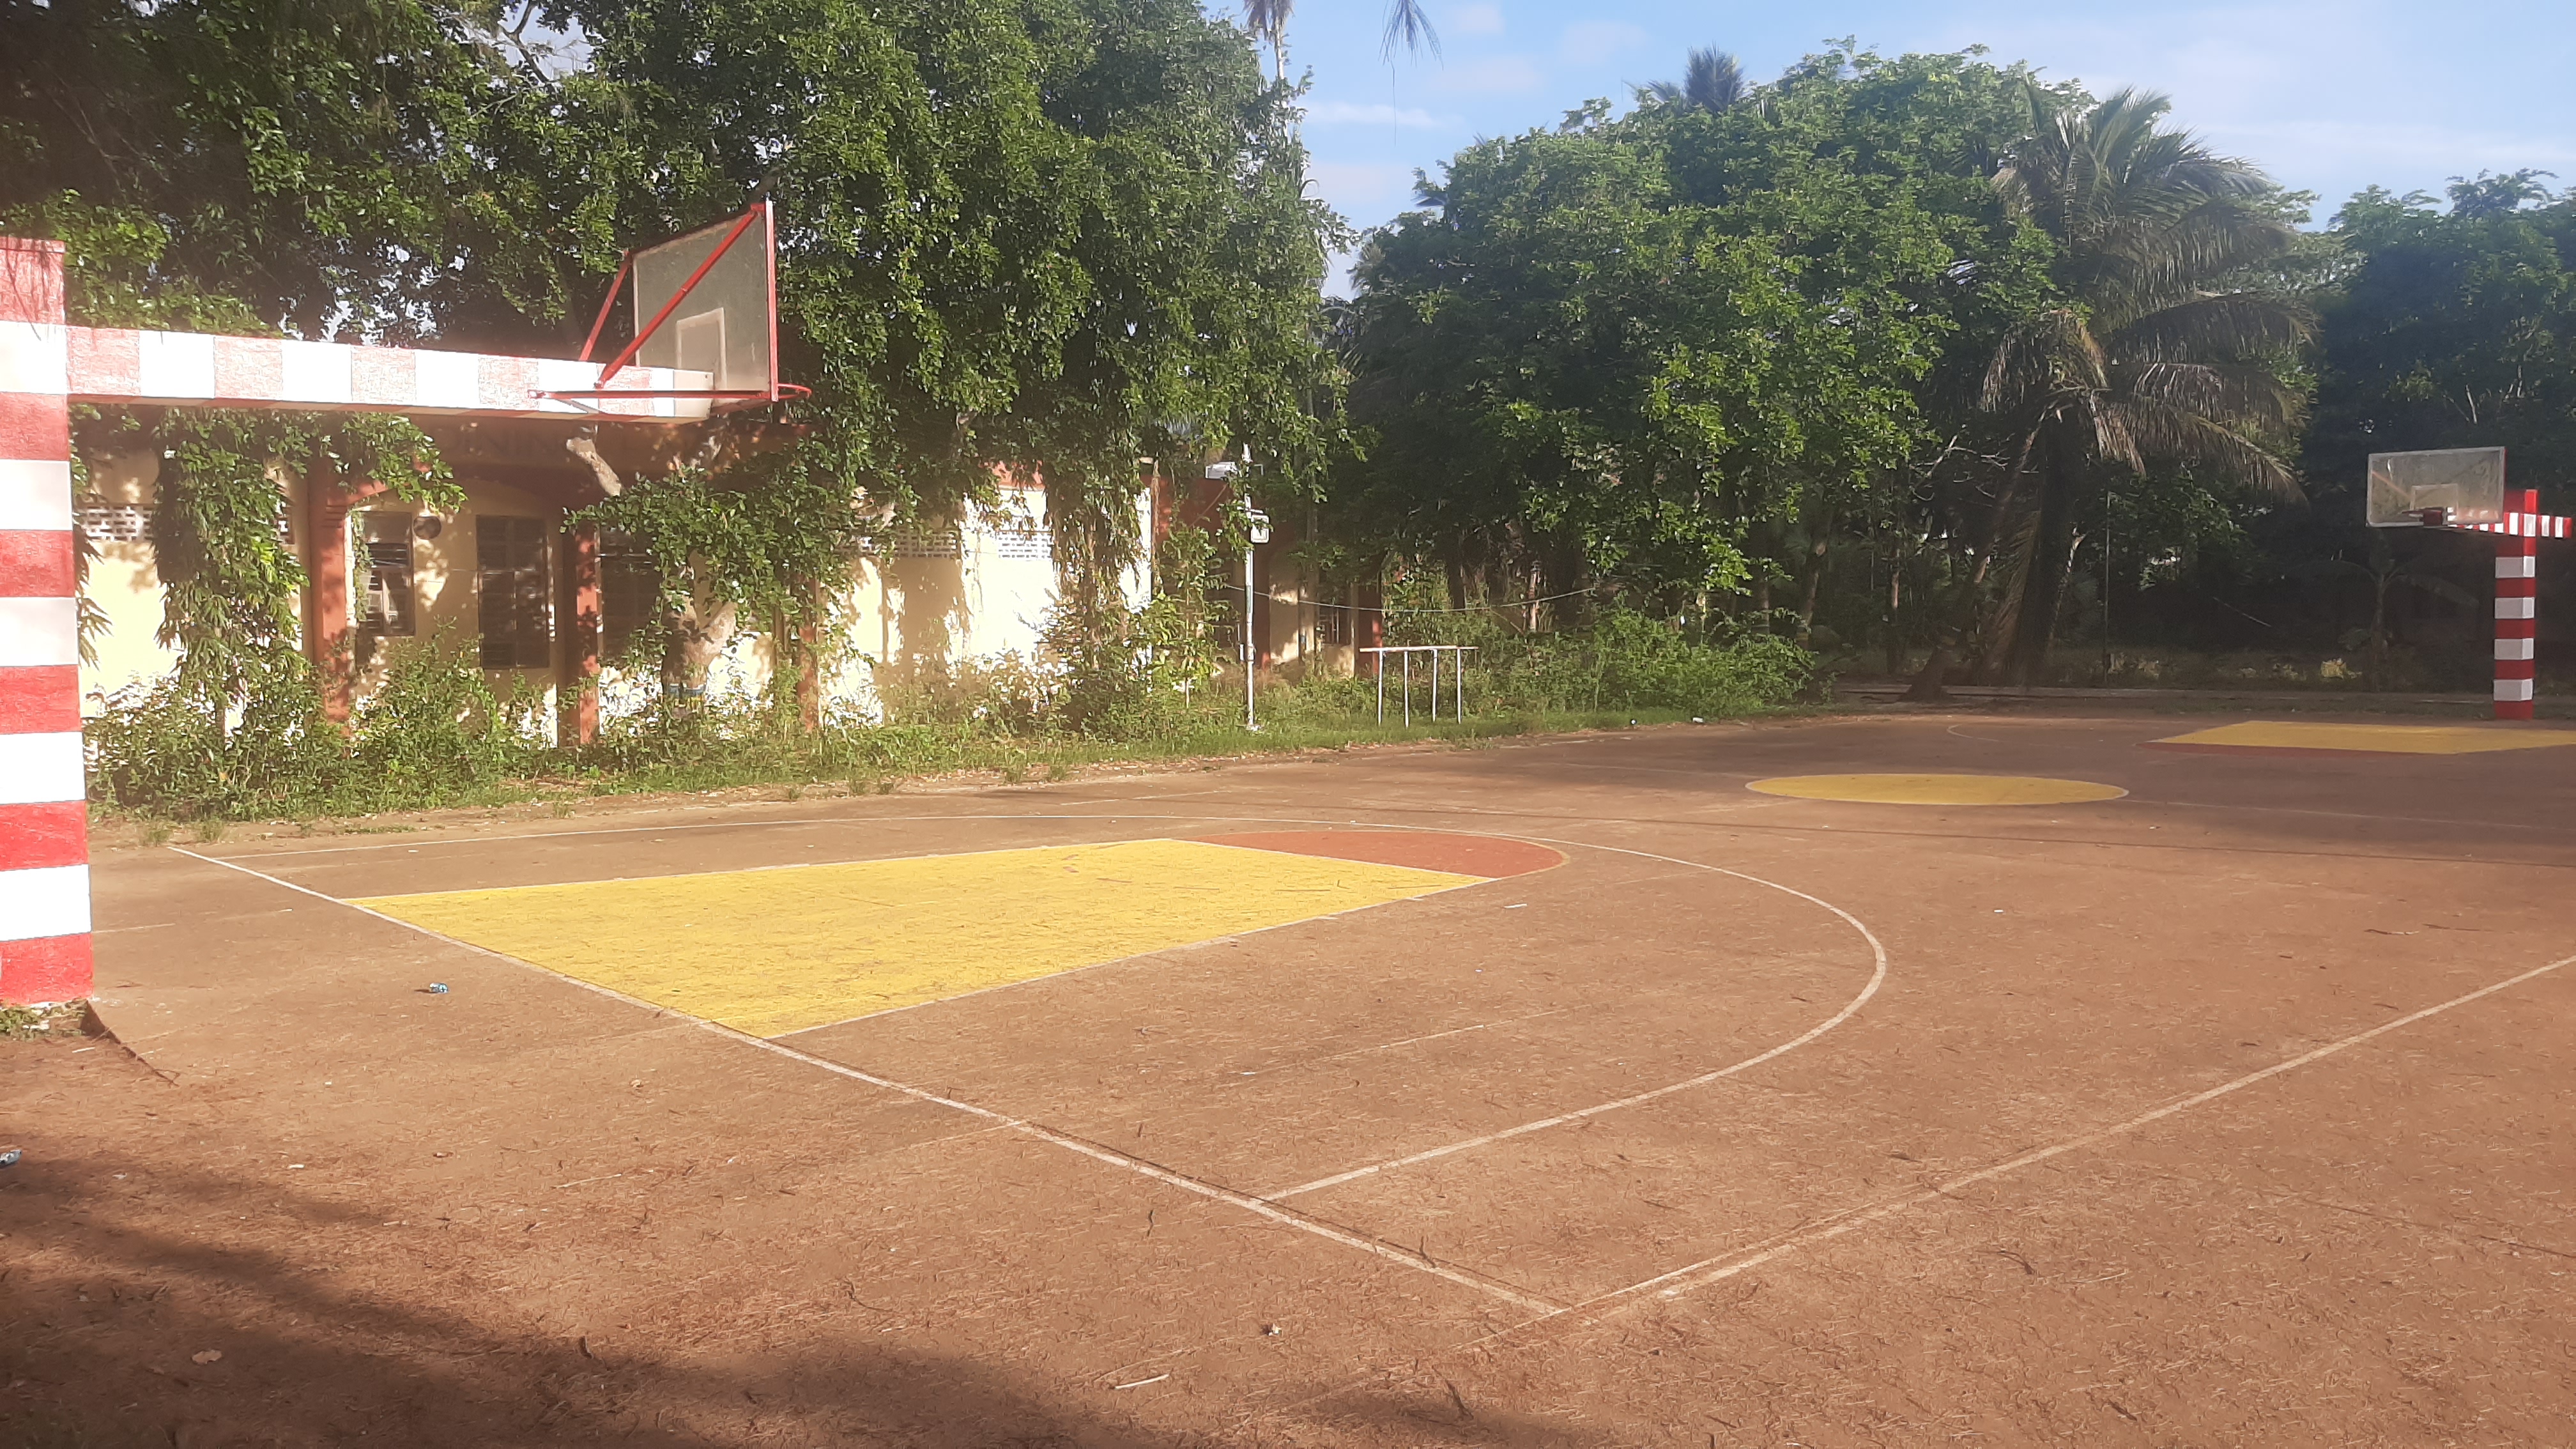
(1894, 641)
(698, 636)
(2044, 598)
(1815, 581)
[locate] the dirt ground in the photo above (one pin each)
(2231, 1112)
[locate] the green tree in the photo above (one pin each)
(1057, 239)
(313, 169)
(1053, 238)
(2154, 355)
(2451, 329)
(1659, 353)
(1712, 80)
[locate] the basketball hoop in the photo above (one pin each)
(2462, 489)
(705, 301)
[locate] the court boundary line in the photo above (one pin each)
(1000, 1120)
(1253, 1203)
(1724, 1266)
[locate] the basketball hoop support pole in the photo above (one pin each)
(2517, 599)
(2462, 490)
(2517, 590)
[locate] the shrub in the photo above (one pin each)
(433, 731)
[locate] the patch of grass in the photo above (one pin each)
(40, 1023)
(208, 830)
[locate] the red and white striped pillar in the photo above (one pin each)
(44, 819)
(2517, 598)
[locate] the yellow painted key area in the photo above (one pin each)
(2394, 739)
(775, 951)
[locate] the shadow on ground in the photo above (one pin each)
(105, 1311)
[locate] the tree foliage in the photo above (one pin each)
(2453, 328)
(2149, 355)
(1640, 351)
(1055, 238)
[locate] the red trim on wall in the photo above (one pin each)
(579, 687)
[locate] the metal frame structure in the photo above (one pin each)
(1458, 686)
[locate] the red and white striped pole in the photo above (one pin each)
(44, 817)
(2517, 598)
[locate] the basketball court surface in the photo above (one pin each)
(1923, 1080)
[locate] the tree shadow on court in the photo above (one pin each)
(126, 1325)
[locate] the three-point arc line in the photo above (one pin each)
(1665, 1285)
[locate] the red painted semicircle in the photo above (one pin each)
(1490, 856)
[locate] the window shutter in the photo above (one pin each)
(514, 608)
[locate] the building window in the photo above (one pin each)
(1332, 624)
(510, 573)
(388, 609)
(630, 592)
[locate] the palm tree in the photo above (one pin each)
(2154, 358)
(1408, 26)
(1712, 80)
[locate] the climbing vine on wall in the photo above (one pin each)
(768, 538)
(231, 576)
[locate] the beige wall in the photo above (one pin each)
(990, 599)
(122, 582)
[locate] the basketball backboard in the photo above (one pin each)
(706, 301)
(2467, 484)
(716, 285)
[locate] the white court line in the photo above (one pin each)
(1877, 977)
(1285, 1217)
(1715, 1270)
(1707, 1271)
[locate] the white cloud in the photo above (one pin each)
(1379, 113)
(1590, 42)
(1493, 75)
(1474, 20)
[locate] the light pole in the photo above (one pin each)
(1257, 531)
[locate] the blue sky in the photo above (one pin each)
(2328, 97)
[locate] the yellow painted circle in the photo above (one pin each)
(1939, 789)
